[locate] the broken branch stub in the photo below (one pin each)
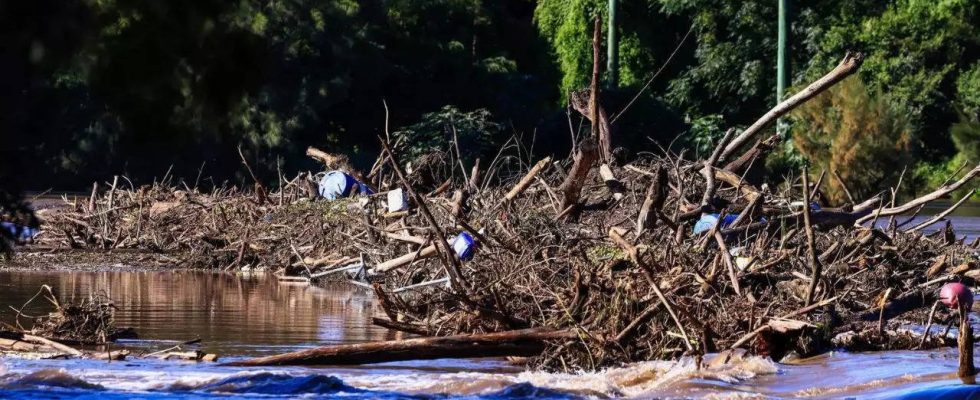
(571, 189)
(527, 179)
(655, 196)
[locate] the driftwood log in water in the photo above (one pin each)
(525, 342)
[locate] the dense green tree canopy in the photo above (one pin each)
(147, 85)
(97, 87)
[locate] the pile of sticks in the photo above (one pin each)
(600, 261)
(581, 263)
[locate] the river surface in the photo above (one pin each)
(965, 220)
(238, 316)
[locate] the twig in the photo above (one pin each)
(815, 265)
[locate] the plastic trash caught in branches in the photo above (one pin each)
(397, 201)
(18, 232)
(708, 221)
(464, 246)
(338, 184)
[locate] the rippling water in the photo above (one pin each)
(241, 316)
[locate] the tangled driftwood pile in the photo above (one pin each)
(89, 323)
(583, 263)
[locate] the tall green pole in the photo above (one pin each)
(782, 60)
(612, 47)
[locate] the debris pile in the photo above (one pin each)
(90, 321)
(600, 262)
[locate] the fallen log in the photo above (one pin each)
(924, 199)
(521, 343)
(899, 305)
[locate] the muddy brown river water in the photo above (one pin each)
(239, 315)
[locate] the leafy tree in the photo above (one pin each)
(857, 133)
(966, 132)
(968, 92)
(915, 51)
(728, 68)
(153, 83)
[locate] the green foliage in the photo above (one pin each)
(729, 67)
(968, 92)
(646, 37)
(95, 87)
(733, 71)
(474, 133)
(965, 135)
(966, 138)
(915, 51)
(930, 175)
(860, 135)
(151, 81)
(567, 24)
(704, 134)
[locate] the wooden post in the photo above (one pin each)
(967, 372)
(654, 201)
(600, 135)
(612, 47)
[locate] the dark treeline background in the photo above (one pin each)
(92, 88)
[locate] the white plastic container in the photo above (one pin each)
(397, 200)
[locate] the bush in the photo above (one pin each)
(704, 134)
(475, 131)
(966, 138)
(861, 135)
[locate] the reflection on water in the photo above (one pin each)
(230, 314)
(241, 316)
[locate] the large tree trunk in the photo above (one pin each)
(525, 342)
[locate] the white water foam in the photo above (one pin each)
(646, 378)
(636, 380)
